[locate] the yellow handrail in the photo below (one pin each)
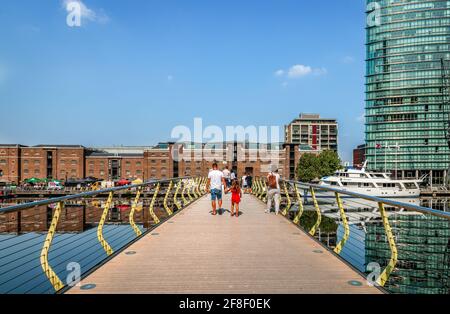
(175, 201)
(288, 204)
(100, 236)
(344, 239)
(166, 198)
(191, 199)
(183, 193)
(194, 189)
(384, 277)
(318, 212)
(133, 210)
(152, 205)
(300, 205)
(51, 275)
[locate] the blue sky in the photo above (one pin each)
(136, 69)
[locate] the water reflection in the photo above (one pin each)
(22, 236)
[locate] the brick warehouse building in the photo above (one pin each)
(307, 134)
(63, 162)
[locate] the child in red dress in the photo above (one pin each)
(236, 195)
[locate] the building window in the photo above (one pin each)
(37, 172)
(102, 173)
(74, 162)
(26, 171)
(3, 162)
(1, 173)
(138, 172)
(138, 164)
(127, 163)
(37, 162)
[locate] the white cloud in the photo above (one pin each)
(87, 13)
(299, 70)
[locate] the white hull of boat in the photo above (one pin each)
(375, 192)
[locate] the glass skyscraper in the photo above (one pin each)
(406, 115)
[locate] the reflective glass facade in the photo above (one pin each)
(405, 115)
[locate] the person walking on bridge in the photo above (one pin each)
(273, 190)
(214, 186)
(227, 176)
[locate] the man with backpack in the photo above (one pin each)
(273, 190)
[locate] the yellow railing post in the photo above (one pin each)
(51, 275)
(183, 193)
(175, 201)
(300, 205)
(166, 199)
(255, 187)
(152, 205)
(344, 239)
(384, 277)
(197, 187)
(288, 198)
(318, 212)
(191, 199)
(194, 188)
(205, 180)
(100, 237)
(133, 210)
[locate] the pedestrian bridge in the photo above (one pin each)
(168, 242)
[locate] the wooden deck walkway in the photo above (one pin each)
(256, 253)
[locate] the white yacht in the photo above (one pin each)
(379, 184)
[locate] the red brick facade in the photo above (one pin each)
(18, 163)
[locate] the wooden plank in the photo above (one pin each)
(256, 253)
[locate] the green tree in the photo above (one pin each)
(308, 168)
(312, 166)
(329, 162)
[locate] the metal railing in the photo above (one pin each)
(398, 245)
(48, 245)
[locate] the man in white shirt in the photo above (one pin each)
(273, 190)
(215, 182)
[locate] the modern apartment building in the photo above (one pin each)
(312, 133)
(406, 119)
